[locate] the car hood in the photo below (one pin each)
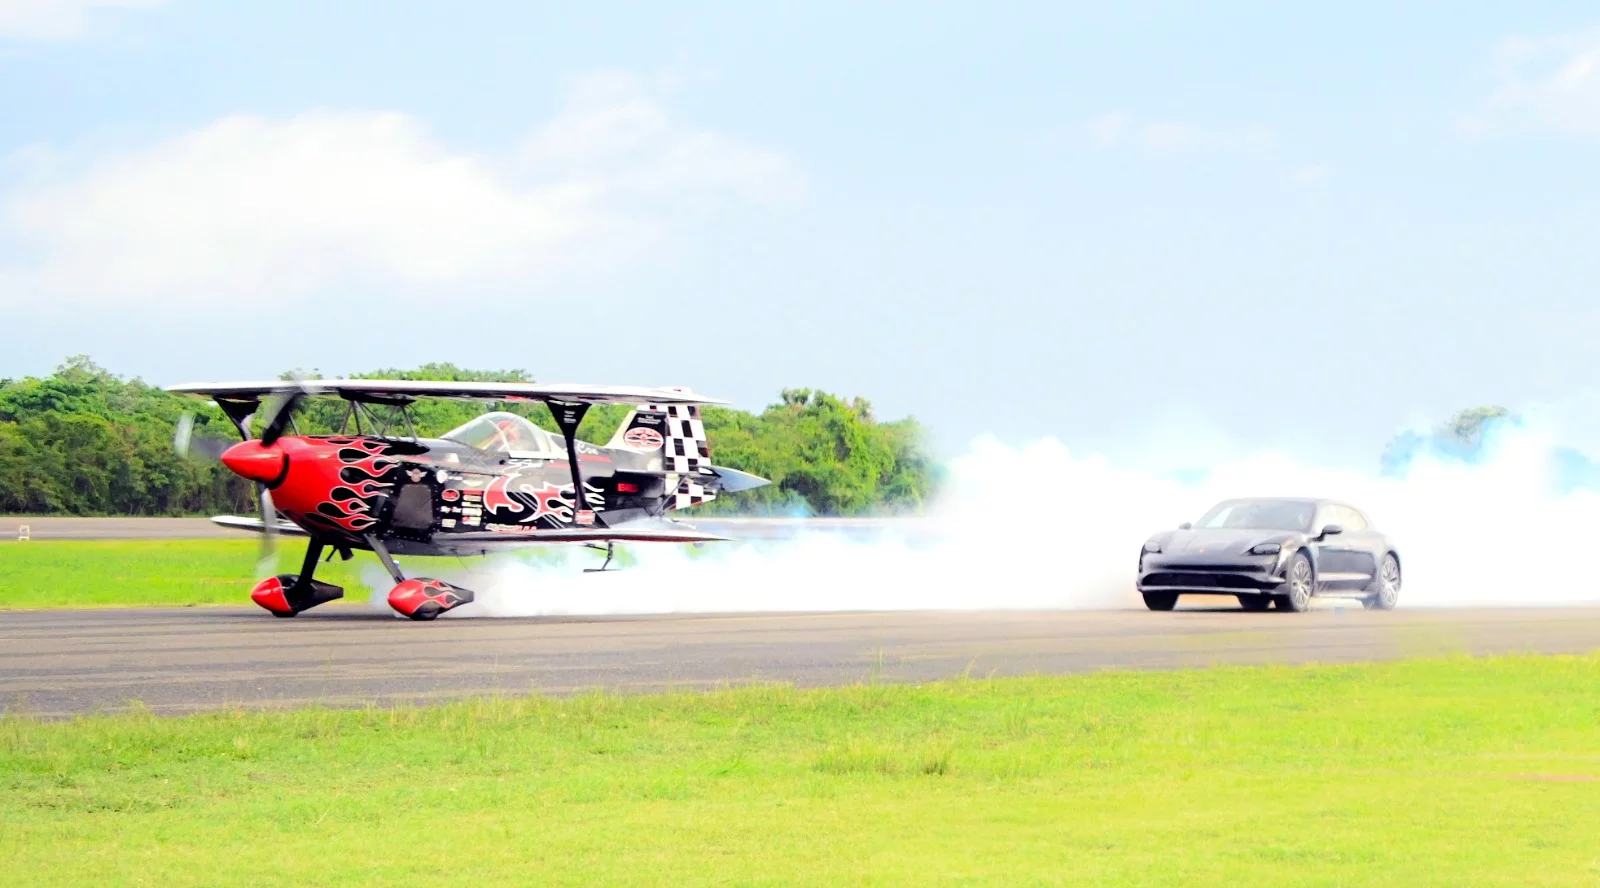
(1219, 542)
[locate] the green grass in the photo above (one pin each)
(1450, 772)
(72, 573)
(57, 573)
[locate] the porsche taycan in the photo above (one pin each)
(1273, 553)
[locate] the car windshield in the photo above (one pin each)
(506, 433)
(1267, 514)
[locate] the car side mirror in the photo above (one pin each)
(1185, 526)
(1329, 530)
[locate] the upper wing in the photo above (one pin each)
(405, 390)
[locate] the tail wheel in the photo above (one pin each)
(1160, 601)
(1297, 585)
(1388, 594)
(1255, 602)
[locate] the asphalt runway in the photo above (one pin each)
(52, 528)
(176, 660)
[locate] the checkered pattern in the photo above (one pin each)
(686, 449)
(691, 494)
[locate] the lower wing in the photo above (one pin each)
(647, 531)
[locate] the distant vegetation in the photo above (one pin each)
(1469, 437)
(84, 441)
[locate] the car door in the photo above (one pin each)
(1344, 559)
(1367, 545)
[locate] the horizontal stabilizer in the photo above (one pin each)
(733, 480)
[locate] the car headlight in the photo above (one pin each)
(1153, 547)
(1266, 549)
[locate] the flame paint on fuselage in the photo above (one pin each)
(341, 488)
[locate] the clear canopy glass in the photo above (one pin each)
(507, 433)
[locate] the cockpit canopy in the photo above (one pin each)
(508, 433)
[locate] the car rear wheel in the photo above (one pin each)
(1297, 584)
(1255, 602)
(1388, 594)
(1160, 601)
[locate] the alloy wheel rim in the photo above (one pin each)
(1390, 577)
(1300, 582)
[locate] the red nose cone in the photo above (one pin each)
(248, 459)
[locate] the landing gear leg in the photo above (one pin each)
(288, 594)
(308, 567)
(387, 559)
(610, 550)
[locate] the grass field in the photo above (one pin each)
(1453, 772)
(74, 573)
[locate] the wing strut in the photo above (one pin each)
(568, 415)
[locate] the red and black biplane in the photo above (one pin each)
(497, 481)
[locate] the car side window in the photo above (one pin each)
(1345, 517)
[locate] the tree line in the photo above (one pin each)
(1469, 436)
(84, 441)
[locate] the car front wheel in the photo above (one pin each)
(1160, 601)
(1255, 602)
(1295, 594)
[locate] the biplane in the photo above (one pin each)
(495, 482)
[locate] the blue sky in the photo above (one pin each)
(1286, 227)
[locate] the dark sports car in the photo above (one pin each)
(1268, 552)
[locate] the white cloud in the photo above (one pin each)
(56, 19)
(1552, 82)
(1117, 128)
(303, 205)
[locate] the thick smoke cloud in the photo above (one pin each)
(1043, 527)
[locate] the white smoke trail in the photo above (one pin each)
(1042, 527)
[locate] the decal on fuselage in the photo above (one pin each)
(531, 498)
(643, 439)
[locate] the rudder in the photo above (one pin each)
(675, 435)
(673, 432)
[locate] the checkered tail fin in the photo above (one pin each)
(675, 434)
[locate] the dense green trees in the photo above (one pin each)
(824, 456)
(83, 441)
(1468, 426)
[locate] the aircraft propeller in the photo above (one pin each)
(283, 412)
(266, 561)
(188, 445)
